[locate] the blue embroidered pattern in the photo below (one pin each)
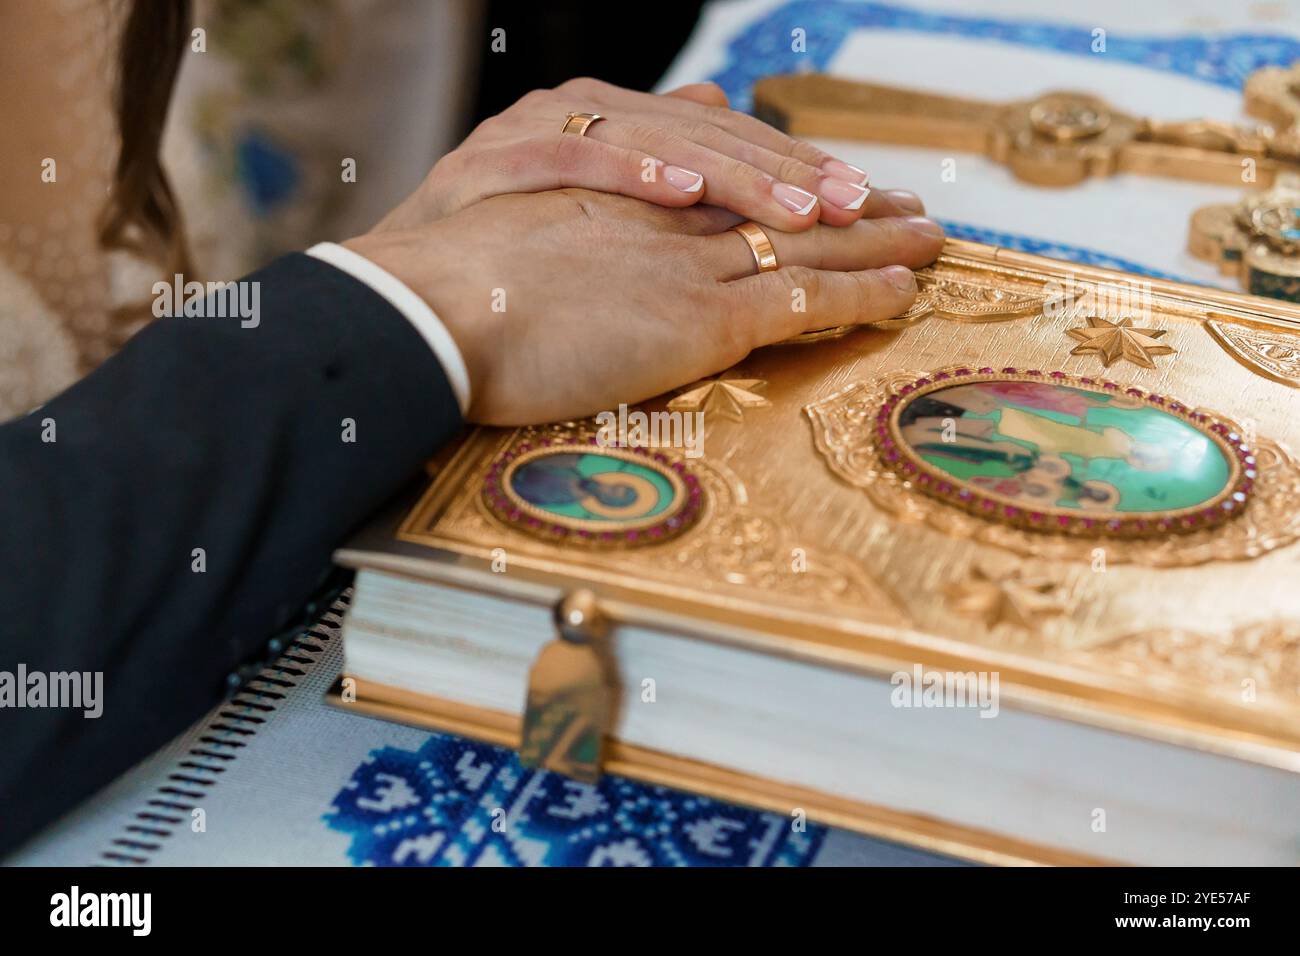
(461, 803)
(763, 48)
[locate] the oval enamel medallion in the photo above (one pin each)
(1057, 453)
(592, 494)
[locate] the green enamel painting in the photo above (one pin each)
(1056, 446)
(590, 486)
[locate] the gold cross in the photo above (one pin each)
(1055, 139)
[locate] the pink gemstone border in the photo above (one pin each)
(509, 508)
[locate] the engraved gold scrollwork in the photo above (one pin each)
(1272, 353)
(1265, 652)
(734, 545)
(947, 295)
(950, 297)
(757, 551)
(1012, 597)
(841, 426)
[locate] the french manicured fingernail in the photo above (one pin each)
(794, 198)
(901, 278)
(906, 201)
(927, 226)
(842, 194)
(845, 171)
(688, 181)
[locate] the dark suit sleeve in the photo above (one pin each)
(199, 434)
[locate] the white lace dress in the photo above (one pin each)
(270, 102)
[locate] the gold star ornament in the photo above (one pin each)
(1118, 340)
(724, 397)
(1011, 598)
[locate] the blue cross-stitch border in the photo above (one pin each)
(763, 48)
(1051, 248)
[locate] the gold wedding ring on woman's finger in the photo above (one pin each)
(759, 245)
(579, 123)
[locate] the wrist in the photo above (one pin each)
(416, 259)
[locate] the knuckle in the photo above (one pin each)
(793, 170)
(713, 92)
(535, 97)
(803, 278)
(646, 136)
(723, 116)
(488, 127)
(581, 86)
(827, 245)
(863, 292)
(702, 132)
(807, 153)
(807, 285)
(748, 181)
(885, 232)
(449, 166)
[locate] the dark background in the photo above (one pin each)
(627, 43)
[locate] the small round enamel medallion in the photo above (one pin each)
(1057, 453)
(588, 494)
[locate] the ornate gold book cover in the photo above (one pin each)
(1079, 479)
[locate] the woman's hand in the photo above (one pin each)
(673, 150)
(567, 303)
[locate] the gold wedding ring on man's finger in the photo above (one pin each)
(765, 259)
(759, 245)
(579, 123)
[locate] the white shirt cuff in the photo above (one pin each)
(416, 310)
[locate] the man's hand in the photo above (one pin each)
(567, 303)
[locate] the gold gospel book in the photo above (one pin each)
(1012, 577)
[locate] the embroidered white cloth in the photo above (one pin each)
(1170, 59)
(276, 777)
